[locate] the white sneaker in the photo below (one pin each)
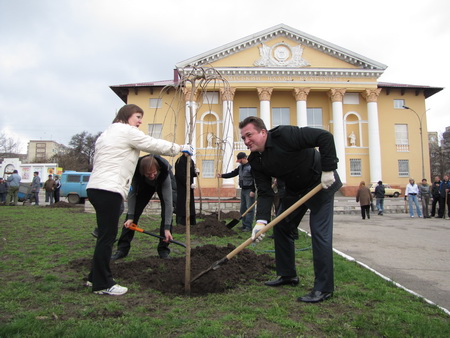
(115, 290)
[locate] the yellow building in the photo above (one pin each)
(286, 76)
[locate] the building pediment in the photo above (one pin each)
(283, 48)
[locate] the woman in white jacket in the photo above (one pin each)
(116, 155)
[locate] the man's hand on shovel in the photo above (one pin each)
(258, 226)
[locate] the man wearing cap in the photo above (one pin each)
(49, 187)
(13, 188)
(35, 187)
(247, 185)
(379, 195)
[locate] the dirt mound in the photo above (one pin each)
(211, 226)
(167, 275)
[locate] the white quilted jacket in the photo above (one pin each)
(116, 155)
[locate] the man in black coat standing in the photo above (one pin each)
(288, 154)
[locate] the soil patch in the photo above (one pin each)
(167, 275)
(211, 226)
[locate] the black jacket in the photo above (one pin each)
(289, 155)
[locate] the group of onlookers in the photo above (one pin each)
(438, 193)
(9, 189)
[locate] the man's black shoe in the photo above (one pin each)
(95, 233)
(315, 297)
(118, 255)
(283, 280)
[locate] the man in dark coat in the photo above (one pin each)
(180, 178)
(435, 195)
(152, 175)
(288, 154)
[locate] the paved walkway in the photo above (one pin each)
(413, 252)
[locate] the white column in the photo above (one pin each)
(227, 136)
(189, 105)
(336, 96)
(301, 95)
(264, 103)
(371, 96)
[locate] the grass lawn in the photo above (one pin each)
(41, 296)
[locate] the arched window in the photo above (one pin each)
(208, 125)
(353, 130)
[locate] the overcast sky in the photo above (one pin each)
(59, 57)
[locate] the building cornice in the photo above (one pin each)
(305, 39)
(334, 72)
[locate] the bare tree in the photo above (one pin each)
(8, 145)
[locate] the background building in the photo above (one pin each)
(41, 151)
(286, 76)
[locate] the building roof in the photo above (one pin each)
(427, 90)
(123, 89)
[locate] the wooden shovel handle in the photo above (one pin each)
(277, 220)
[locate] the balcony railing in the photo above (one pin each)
(402, 148)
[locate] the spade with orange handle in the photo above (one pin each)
(135, 228)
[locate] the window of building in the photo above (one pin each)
(155, 103)
(208, 168)
(211, 98)
(401, 137)
(403, 168)
(398, 104)
(245, 112)
(355, 167)
(155, 130)
(314, 117)
(351, 98)
(281, 116)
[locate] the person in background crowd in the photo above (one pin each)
(364, 197)
(116, 156)
(289, 154)
(56, 194)
(379, 195)
(411, 192)
(424, 195)
(13, 181)
(35, 187)
(444, 199)
(180, 178)
(3, 191)
(247, 185)
(435, 195)
(151, 175)
(49, 187)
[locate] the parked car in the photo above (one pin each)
(388, 190)
(73, 186)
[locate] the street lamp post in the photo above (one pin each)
(421, 136)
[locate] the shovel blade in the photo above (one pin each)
(233, 223)
(214, 266)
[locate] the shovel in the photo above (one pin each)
(135, 228)
(269, 226)
(235, 221)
